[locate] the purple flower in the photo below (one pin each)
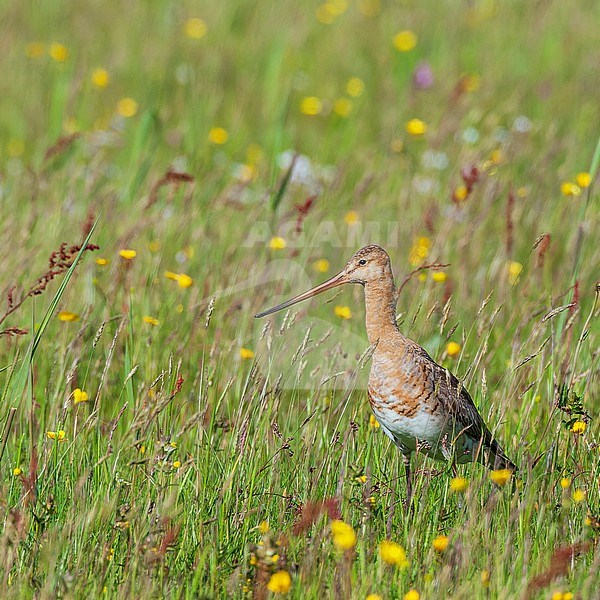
(423, 76)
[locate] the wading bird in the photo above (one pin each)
(421, 406)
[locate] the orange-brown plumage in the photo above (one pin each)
(420, 405)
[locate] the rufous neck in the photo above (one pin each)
(380, 305)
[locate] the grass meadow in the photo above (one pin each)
(168, 170)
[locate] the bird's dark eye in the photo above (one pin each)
(362, 261)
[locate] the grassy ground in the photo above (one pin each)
(156, 440)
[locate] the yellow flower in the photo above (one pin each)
(361, 479)
(355, 87)
(344, 537)
(264, 527)
(311, 105)
(127, 107)
(246, 353)
(583, 179)
(578, 496)
(343, 312)
(337, 7)
(277, 243)
(568, 188)
(578, 427)
(56, 435)
(497, 157)
(485, 578)
(17, 471)
(34, 50)
(195, 28)
(68, 317)
(324, 14)
(412, 595)
(393, 554)
(342, 107)
(471, 82)
(405, 40)
(351, 217)
(501, 476)
(453, 349)
(373, 422)
(102, 261)
(79, 396)
(100, 78)
(59, 52)
(565, 483)
(514, 271)
(151, 321)
(218, 135)
(280, 582)
(439, 276)
(321, 265)
(176, 464)
(416, 127)
(374, 597)
(440, 543)
(460, 192)
(127, 254)
(183, 280)
(458, 484)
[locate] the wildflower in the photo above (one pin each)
(59, 435)
(405, 41)
(578, 496)
(497, 157)
(374, 597)
(440, 543)
(412, 595)
(355, 87)
(183, 280)
(17, 471)
(351, 217)
(460, 193)
(439, 276)
(343, 312)
(79, 396)
(423, 76)
(34, 50)
(416, 127)
(264, 527)
(321, 265)
(501, 476)
(68, 317)
(578, 427)
(342, 107)
(154, 246)
(565, 483)
(344, 537)
(453, 349)
(583, 179)
(246, 353)
(176, 464)
(337, 7)
(127, 254)
(373, 422)
(58, 52)
(419, 250)
(218, 136)
(361, 479)
(151, 321)
(195, 28)
(280, 582)
(458, 484)
(568, 188)
(324, 14)
(127, 107)
(311, 105)
(102, 262)
(100, 78)
(485, 578)
(470, 82)
(514, 271)
(393, 554)
(277, 243)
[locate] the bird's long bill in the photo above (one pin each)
(336, 280)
